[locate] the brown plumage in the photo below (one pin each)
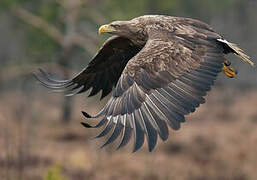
(160, 66)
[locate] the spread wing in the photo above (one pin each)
(102, 73)
(164, 82)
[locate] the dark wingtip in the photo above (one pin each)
(34, 76)
(41, 70)
(86, 125)
(150, 149)
(101, 97)
(86, 114)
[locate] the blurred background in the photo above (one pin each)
(41, 137)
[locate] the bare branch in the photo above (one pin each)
(10, 73)
(53, 32)
(39, 23)
(84, 42)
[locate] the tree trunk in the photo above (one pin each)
(64, 61)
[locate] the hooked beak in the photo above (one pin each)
(105, 29)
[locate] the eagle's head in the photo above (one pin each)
(133, 29)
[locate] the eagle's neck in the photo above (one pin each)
(140, 38)
(139, 42)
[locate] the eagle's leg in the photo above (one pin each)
(228, 70)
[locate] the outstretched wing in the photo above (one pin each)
(166, 80)
(102, 73)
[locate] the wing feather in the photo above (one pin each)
(116, 131)
(106, 129)
(101, 74)
(151, 132)
(126, 131)
(138, 131)
(165, 81)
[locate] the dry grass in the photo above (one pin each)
(219, 141)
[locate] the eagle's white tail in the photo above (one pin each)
(238, 51)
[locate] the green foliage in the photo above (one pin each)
(116, 9)
(39, 46)
(42, 48)
(126, 9)
(4, 4)
(207, 6)
(50, 11)
(54, 174)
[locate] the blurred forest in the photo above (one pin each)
(40, 136)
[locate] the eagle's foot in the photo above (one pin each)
(228, 70)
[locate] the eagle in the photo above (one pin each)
(158, 68)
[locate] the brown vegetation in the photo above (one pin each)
(218, 141)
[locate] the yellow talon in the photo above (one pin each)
(228, 70)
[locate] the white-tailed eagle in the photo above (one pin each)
(161, 68)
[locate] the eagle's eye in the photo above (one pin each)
(115, 25)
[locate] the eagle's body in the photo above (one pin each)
(160, 66)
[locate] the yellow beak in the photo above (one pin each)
(105, 29)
